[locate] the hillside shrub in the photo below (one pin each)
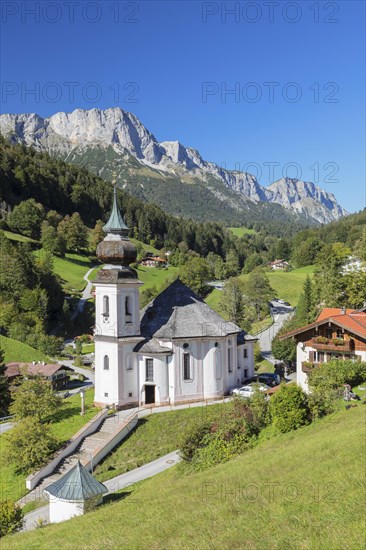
(11, 518)
(289, 408)
(193, 440)
(336, 373)
(236, 430)
(216, 450)
(323, 401)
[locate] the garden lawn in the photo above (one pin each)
(155, 276)
(16, 351)
(304, 489)
(67, 423)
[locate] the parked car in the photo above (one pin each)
(281, 301)
(248, 390)
(273, 375)
(286, 304)
(244, 391)
(274, 310)
(262, 379)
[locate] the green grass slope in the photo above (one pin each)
(19, 352)
(305, 490)
(155, 436)
(153, 276)
(289, 285)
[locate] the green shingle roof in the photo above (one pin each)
(76, 484)
(115, 224)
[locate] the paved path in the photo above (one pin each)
(266, 336)
(115, 484)
(89, 374)
(5, 426)
(86, 295)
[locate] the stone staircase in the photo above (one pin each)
(84, 452)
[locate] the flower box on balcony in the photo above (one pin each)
(336, 344)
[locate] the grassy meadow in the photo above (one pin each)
(304, 489)
(288, 285)
(153, 276)
(16, 351)
(241, 231)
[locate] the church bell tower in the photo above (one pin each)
(117, 323)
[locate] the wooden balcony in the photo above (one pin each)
(347, 346)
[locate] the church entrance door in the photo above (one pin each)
(149, 394)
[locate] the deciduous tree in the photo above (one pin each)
(34, 397)
(30, 444)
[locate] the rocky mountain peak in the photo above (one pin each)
(68, 133)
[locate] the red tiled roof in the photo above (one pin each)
(279, 262)
(15, 369)
(351, 320)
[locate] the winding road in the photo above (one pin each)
(86, 295)
(266, 336)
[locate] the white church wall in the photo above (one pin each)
(213, 374)
(128, 389)
(128, 325)
(232, 373)
(106, 325)
(106, 379)
(160, 378)
(62, 510)
(190, 389)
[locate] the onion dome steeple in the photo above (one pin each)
(116, 224)
(116, 248)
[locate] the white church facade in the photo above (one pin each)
(176, 350)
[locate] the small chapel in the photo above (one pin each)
(175, 350)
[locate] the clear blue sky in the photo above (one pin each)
(181, 58)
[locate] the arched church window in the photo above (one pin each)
(106, 362)
(229, 358)
(187, 368)
(105, 306)
(127, 306)
(218, 370)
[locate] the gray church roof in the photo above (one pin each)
(76, 484)
(151, 346)
(179, 313)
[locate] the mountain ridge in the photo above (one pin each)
(74, 135)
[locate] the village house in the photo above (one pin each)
(176, 350)
(279, 264)
(53, 372)
(337, 333)
(153, 261)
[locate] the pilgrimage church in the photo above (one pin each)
(175, 350)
